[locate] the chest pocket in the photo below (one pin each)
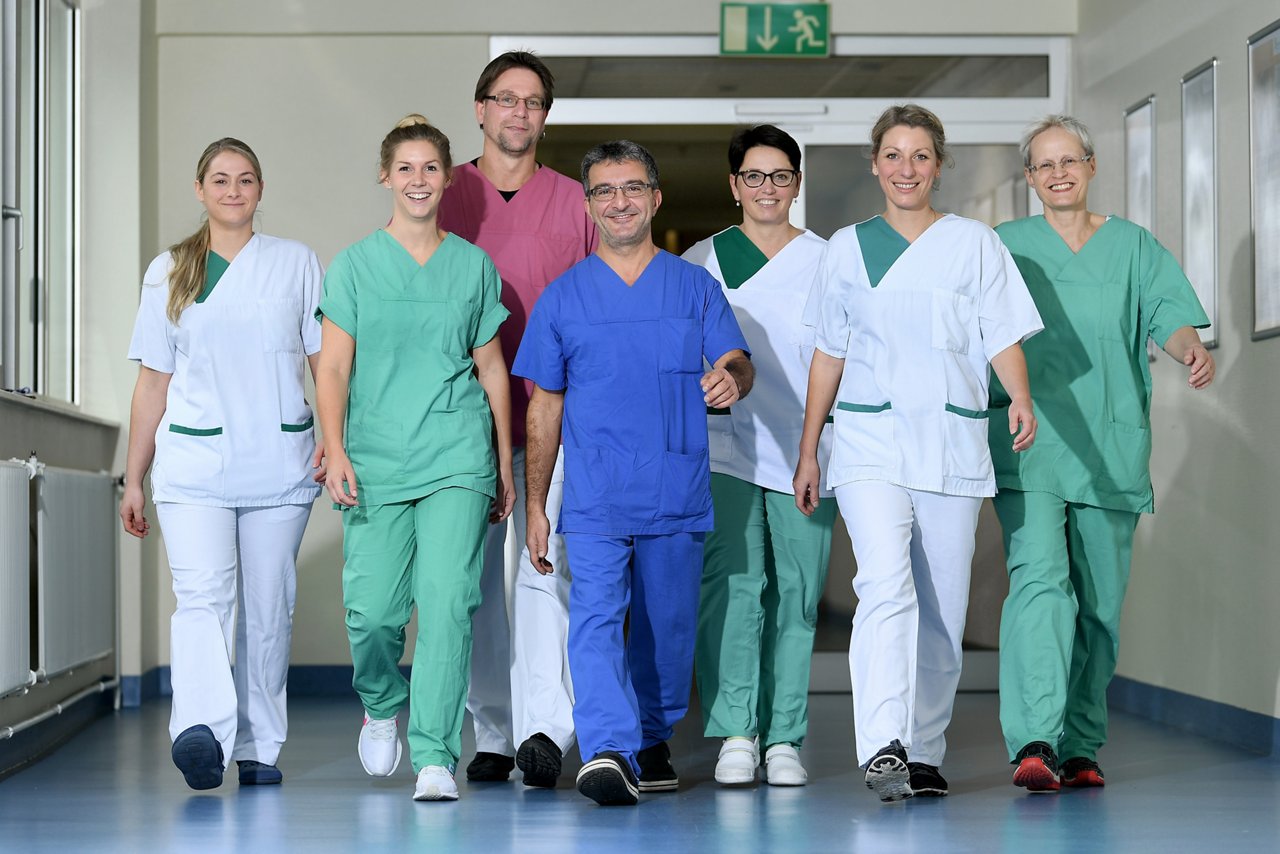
(280, 322)
(1114, 321)
(679, 346)
(950, 316)
(434, 326)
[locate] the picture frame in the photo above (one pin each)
(1140, 172)
(1264, 166)
(1200, 190)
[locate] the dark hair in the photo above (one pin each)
(620, 151)
(912, 116)
(516, 59)
(766, 136)
(413, 128)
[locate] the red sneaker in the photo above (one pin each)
(1037, 768)
(1081, 773)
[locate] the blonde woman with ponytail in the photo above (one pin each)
(225, 324)
(418, 443)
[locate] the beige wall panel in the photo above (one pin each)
(1200, 615)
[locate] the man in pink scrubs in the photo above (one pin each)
(532, 223)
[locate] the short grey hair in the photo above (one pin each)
(620, 151)
(1070, 124)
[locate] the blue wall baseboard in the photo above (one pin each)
(42, 739)
(305, 680)
(1248, 730)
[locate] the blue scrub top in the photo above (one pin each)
(629, 361)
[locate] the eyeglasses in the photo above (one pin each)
(1066, 164)
(631, 189)
(509, 101)
(780, 177)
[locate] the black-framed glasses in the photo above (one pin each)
(1066, 164)
(631, 189)
(755, 178)
(509, 101)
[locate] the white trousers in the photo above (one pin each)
(914, 551)
(235, 579)
(519, 662)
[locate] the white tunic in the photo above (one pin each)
(759, 440)
(912, 404)
(237, 430)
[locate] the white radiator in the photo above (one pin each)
(75, 565)
(15, 577)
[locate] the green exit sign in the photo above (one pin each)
(775, 29)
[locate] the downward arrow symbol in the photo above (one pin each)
(768, 40)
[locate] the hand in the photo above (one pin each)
(317, 463)
(340, 474)
(808, 477)
(1201, 364)
(719, 388)
(505, 500)
(1022, 424)
(537, 533)
(131, 507)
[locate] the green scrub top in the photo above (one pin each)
(1089, 372)
(417, 418)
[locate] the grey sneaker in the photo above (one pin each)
(887, 773)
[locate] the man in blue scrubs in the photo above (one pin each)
(615, 347)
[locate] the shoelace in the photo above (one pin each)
(381, 730)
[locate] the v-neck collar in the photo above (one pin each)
(618, 279)
(522, 192)
(216, 267)
(406, 256)
(1063, 243)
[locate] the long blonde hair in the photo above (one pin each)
(190, 256)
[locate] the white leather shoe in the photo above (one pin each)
(738, 761)
(782, 766)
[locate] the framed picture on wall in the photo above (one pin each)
(1264, 164)
(1140, 171)
(1200, 190)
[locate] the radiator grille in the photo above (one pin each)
(15, 577)
(75, 554)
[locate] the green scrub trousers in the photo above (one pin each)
(764, 569)
(386, 574)
(1060, 628)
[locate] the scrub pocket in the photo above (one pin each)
(680, 345)
(297, 444)
(951, 315)
(686, 485)
(966, 433)
(190, 459)
(720, 435)
(280, 321)
(431, 326)
(863, 435)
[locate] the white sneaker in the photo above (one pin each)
(379, 747)
(435, 783)
(782, 766)
(738, 761)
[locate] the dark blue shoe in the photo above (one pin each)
(198, 756)
(255, 773)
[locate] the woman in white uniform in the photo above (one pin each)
(765, 563)
(225, 324)
(914, 308)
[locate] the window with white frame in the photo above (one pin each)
(39, 126)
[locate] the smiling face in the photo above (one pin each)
(767, 204)
(417, 179)
(1060, 189)
(907, 167)
(623, 221)
(514, 130)
(230, 190)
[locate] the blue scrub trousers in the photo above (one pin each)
(631, 693)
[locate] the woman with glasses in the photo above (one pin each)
(1069, 506)
(914, 308)
(766, 562)
(413, 395)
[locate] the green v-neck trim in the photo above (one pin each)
(738, 257)
(410, 263)
(881, 247)
(214, 266)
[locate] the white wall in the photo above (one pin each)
(1200, 617)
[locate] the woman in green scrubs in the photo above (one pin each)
(413, 395)
(1069, 505)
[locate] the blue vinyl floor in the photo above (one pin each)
(113, 788)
